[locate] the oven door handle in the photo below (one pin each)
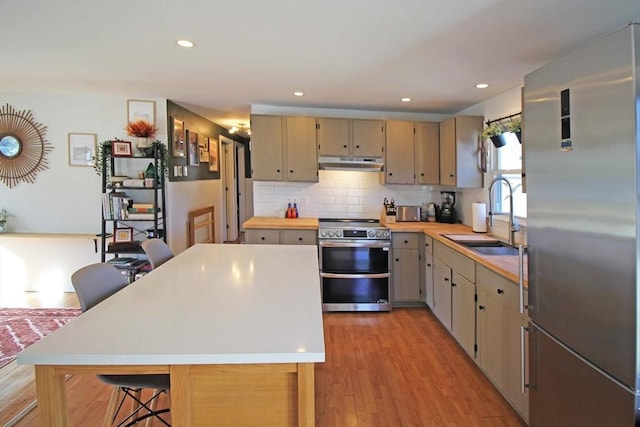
(354, 276)
(353, 244)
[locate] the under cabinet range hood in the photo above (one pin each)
(362, 164)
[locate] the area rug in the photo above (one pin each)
(21, 327)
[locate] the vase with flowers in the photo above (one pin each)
(145, 132)
(4, 217)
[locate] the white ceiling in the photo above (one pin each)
(346, 54)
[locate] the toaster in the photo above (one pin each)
(408, 213)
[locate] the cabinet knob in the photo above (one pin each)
(278, 170)
(422, 174)
(428, 265)
(446, 279)
(500, 291)
(406, 242)
(481, 307)
(453, 285)
(357, 146)
(397, 259)
(299, 239)
(344, 146)
(450, 175)
(291, 171)
(262, 238)
(390, 174)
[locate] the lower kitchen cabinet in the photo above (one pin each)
(406, 267)
(427, 269)
(499, 336)
(463, 312)
(454, 295)
(257, 236)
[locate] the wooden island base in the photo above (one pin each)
(204, 395)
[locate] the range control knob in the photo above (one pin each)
(371, 234)
(378, 234)
(323, 233)
(331, 233)
(386, 234)
(339, 233)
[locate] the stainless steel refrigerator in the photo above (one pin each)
(581, 127)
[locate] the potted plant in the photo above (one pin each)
(514, 125)
(4, 217)
(494, 131)
(144, 131)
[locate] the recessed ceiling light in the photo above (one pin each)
(185, 43)
(482, 85)
(298, 93)
(406, 100)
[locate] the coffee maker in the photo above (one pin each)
(447, 211)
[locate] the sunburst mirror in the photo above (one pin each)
(23, 146)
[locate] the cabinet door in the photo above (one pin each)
(260, 237)
(367, 138)
(333, 137)
(427, 143)
(463, 313)
(299, 237)
(448, 152)
(467, 139)
(406, 275)
(490, 338)
(400, 156)
(267, 148)
(428, 279)
(302, 155)
(442, 292)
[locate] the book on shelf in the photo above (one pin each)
(128, 262)
(142, 206)
(142, 210)
(143, 216)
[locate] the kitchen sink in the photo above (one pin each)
(493, 248)
(485, 246)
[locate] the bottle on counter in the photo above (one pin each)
(295, 210)
(289, 213)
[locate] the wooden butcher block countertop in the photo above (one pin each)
(504, 265)
(260, 222)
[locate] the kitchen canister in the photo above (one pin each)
(479, 217)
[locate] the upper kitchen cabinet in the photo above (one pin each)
(412, 155)
(283, 148)
(460, 151)
(350, 137)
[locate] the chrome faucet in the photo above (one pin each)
(513, 226)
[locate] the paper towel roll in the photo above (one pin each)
(479, 218)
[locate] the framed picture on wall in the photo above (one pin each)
(213, 155)
(194, 154)
(203, 146)
(124, 234)
(177, 137)
(141, 110)
(82, 149)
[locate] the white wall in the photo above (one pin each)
(63, 198)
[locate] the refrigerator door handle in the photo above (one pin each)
(523, 379)
(521, 277)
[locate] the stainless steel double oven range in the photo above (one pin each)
(355, 261)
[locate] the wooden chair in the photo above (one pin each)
(93, 284)
(198, 220)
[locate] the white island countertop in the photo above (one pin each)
(212, 304)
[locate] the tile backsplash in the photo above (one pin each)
(338, 194)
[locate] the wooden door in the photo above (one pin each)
(400, 157)
(427, 142)
(333, 137)
(267, 161)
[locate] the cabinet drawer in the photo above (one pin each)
(258, 236)
(499, 288)
(299, 237)
(462, 264)
(405, 241)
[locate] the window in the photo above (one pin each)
(508, 164)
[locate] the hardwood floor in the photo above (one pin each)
(382, 369)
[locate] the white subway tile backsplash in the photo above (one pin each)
(337, 194)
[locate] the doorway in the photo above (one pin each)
(234, 213)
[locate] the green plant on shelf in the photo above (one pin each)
(104, 149)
